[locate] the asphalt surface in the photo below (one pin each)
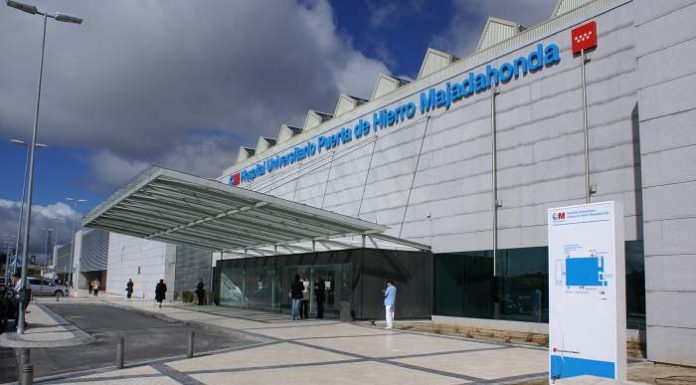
(146, 338)
(8, 365)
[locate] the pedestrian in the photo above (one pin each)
(319, 294)
(129, 288)
(200, 291)
(95, 286)
(304, 303)
(20, 296)
(160, 289)
(6, 295)
(389, 302)
(296, 296)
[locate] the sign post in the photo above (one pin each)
(587, 286)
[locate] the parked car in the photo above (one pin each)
(41, 286)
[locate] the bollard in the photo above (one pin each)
(119, 353)
(27, 374)
(24, 359)
(189, 352)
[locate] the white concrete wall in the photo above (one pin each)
(540, 150)
(154, 260)
(667, 110)
(79, 281)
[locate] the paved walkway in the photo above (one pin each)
(45, 329)
(322, 352)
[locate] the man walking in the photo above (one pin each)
(160, 291)
(389, 302)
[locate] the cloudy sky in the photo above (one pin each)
(184, 83)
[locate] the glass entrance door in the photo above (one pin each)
(337, 287)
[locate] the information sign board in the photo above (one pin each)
(587, 286)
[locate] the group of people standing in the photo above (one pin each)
(299, 295)
(161, 290)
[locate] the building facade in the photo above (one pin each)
(468, 157)
(90, 261)
(420, 158)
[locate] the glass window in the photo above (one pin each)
(635, 285)
(465, 286)
(522, 285)
(242, 284)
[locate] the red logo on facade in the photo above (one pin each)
(584, 37)
(236, 179)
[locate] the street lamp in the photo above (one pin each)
(31, 9)
(24, 193)
(75, 202)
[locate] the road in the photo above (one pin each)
(146, 338)
(8, 365)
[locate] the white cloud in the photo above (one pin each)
(58, 216)
(147, 82)
(112, 170)
(359, 73)
(469, 18)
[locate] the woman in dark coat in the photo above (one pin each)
(129, 288)
(160, 289)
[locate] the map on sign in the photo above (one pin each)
(585, 271)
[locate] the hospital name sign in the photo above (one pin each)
(429, 100)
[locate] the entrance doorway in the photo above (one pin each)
(337, 280)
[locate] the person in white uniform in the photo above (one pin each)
(389, 302)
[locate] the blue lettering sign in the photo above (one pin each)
(429, 100)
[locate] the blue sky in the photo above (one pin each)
(183, 86)
(399, 34)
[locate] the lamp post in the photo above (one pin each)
(24, 193)
(75, 202)
(32, 10)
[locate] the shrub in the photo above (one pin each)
(187, 296)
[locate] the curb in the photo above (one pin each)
(80, 337)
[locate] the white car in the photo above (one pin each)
(42, 286)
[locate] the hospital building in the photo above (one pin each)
(443, 183)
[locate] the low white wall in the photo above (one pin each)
(143, 261)
(515, 326)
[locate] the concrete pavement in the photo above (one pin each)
(321, 352)
(45, 329)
